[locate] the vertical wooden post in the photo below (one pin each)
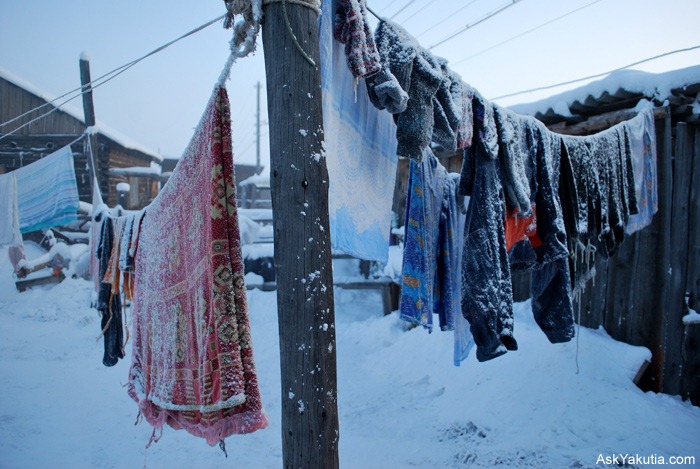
(88, 106)
(299, 184)
(89, 112)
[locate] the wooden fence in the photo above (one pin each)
(641, 294)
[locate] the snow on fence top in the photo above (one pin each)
(656, 86)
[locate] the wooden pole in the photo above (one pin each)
(88, 106)
(299, 184)
(89, 112)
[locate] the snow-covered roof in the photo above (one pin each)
(259, 180)
(78, 114)
(620, 85)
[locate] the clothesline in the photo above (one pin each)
(540, 202)
(97, 82)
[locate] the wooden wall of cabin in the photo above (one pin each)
(16, 101)
(116, 156)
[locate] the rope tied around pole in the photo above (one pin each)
(314, 5)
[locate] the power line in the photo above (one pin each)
(446, 18)
(526, 32)
(401, 10)
(598, 74)
(428, 3)
(480, 20)
(387, 6)
(99, 81)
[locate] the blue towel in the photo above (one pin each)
(47, 192)
(360, 144)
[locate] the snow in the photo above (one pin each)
(691, 318)
(123, 187)
(134, 170)
(260, 180)
(651, 85)
(401, 401)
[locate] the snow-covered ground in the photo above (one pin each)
(401, 401)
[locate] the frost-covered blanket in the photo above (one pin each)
(47, 192)
(361, 156)
(193, 364)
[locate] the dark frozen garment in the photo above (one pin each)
(388, 89)
(351, 28)
(546, 255)
(448, 108)
(599, 197)
(484, 131)
(551, 294)
(109, 305)
(486, 283)
(414, 126)
(487, 296)
(405, 87)
(517, 169)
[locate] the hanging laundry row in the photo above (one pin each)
(179, 262)
(540, 202)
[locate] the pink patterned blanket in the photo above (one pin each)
(193, 364)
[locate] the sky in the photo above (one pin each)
(158, 102)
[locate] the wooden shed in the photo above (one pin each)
(117, 159)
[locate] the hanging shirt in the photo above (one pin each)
(47, 192)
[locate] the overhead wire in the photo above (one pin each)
(427, 4)
(526, 32)
(487, 16)
(447, 18)
(97, 82)
(387, 6)
(597, 75)
(402, 10)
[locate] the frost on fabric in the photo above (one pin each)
(193, 364)
(513, 159)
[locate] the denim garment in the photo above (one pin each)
(523, 159)
(430, 281)
(487, 294)
(547, 259)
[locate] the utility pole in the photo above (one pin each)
(299, 184)
(257, 134)
(89, 112)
